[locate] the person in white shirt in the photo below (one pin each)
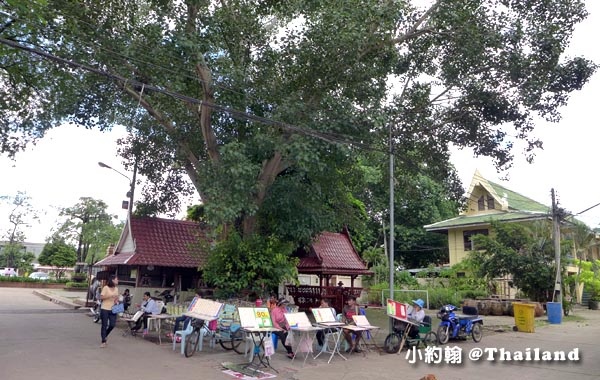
(149, 307)
(416, 314)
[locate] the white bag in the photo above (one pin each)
(268, 347)
(289, 341)
(138, 314)
(305, 345)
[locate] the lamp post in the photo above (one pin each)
(131, 184)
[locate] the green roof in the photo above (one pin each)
(482, 219)
(520, 208)
(517, 201)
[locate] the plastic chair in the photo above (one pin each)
(183, 334)
(206, 332)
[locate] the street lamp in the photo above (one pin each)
(131, 184)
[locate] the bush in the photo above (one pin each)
(79, 277)
(72, 284)
(27, 279)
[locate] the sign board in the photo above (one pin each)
(206, 308)
(396, 309)
(255, 317)
(297, 320)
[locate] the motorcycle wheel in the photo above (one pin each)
(392, 343)
(477, 332)
(96, 317)
(443, 334)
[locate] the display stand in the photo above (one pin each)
(300, 324)
(256, 321)
(204, 309)
(325, 318)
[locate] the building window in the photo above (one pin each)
(490, 203)
(468, 235)
(481, 204)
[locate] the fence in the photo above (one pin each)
(405, 296)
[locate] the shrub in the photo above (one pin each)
(27, 279)
(79, 277)
(72, 284)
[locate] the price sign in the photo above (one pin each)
(263, 317)
(396, 309)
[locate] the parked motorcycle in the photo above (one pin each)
(453, 326)
(166, 296)
(96, 311)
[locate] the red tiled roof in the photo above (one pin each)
(333, 253)
(161, 242)
(115, 259)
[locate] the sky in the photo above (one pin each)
(568, 161)
(63, 166)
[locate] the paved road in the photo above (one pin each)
(43, 340)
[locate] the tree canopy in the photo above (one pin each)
(525, 252)
(90, 228)
(279, 113)
(59, 255)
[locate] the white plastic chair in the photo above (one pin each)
(183, 334)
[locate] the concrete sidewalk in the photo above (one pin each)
(76, 351)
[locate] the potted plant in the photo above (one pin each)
(594, 288)
(589, 275)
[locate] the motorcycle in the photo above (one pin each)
(453, 326)
(166, 296)
(96, 311)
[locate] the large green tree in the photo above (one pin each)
(265, 105)
(90, 227)
(58, 254)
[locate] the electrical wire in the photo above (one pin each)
(325, 136)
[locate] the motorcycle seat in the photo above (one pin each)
(468, 317)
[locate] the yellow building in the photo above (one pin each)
(487, 201)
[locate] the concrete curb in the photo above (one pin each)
(56, 299)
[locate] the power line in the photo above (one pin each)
(325, 136)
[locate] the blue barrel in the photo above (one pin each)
(554, 310)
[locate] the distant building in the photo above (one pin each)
(35, 248)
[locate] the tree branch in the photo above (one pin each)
(204, 111)
(414, 31)
(194, 163)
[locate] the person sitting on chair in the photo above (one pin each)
(349, 310)
(279, 322)
(126, 299)
(183, 318)
(417, 314)
(149, 307)
(321, 333)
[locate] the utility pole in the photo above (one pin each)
(556, 238)
(391, 245)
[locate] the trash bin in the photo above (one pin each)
(554, 311)
(524, 316)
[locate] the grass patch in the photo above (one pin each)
(574, 318)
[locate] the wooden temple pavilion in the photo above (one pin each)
(330, 255)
